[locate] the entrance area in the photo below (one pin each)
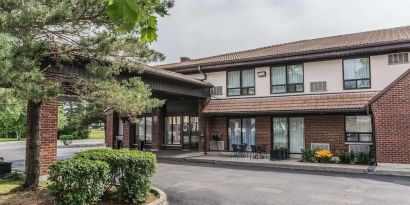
(182, 130)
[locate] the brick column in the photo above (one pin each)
(109, 128)
(157, 128)
(217, 125)
(128, 136)
(263, 131)
(203, 135)
(48, 134)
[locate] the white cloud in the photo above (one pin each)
(200, 28)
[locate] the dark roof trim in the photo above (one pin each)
(306, 56)
(381, 93)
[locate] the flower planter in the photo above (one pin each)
(279, 154)
(5, 168)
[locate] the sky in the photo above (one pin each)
(201, 28)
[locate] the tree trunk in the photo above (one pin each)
(33, 145)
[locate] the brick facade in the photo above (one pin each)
(109, 129)
(263, 131)
(392, 122)
(216, 125)
(326, 129)
(48, 134)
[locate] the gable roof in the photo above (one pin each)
(341, 102)
(381, 93)
(318, 45)
(174, 76)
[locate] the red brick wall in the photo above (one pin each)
(109, 129)
(128, 138)
(325, 129)
(263, 131)
(48, 134)
(217, 125)
(392, 123)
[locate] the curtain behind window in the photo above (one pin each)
(140, 129)
(148, 128)
(234, 132)
(278, 75)
(358, 124)
(234, 79)
(296, 134)
(248, 78)
(356, 68)
(295, 74)
(248, 132)
(280, 132)
(120, 127)
(168, 130)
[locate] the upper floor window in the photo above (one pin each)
(398, 58)
(359, 128)
(241, 82)
(287, 79)
(356, 73)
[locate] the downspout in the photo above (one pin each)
(369, 111)
(204, 74)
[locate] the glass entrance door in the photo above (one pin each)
(190, 132)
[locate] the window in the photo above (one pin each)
(359, 128)
(241, 82)
(289, 133)
(241, 131)
(287, 79)
(143, 130)
(120, 125)
(172, 130)
(398, 58)
(356, 73)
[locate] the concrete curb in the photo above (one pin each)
(162, 197)
(307, 166)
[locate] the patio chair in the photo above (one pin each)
(242, 149)
(263, 151)
(254, 150)
(235, 149)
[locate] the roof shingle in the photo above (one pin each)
(284, 104)
(347, 41)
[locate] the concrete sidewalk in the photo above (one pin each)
(224, 158)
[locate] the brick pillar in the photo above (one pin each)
(128, 136)
(157, 128)
(203, 135)
(263, 131)
(48, 134)
(217, 125)
(109, 128)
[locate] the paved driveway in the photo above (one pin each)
(194, 184)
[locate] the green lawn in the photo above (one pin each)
(6, 185)
(96, 133)
(9, 139)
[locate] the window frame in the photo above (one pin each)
(145, 129)
(357, 79)
(240, 83)
(359, 133)
(287, 84)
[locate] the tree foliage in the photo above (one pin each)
(105, 37)
(12, 114)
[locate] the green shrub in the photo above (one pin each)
(15, 176)
(363, 158)
(308, 155)
(67, 139)
(346, 157)
(77, 181)
(130, 171)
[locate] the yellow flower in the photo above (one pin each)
(323, 154)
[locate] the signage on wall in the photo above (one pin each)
(261, 73)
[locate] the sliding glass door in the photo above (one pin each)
(289, 133)
(241, 131)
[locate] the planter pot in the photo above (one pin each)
(279, 154)
(5, 168)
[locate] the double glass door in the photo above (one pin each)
(289, 133)
(182, 130)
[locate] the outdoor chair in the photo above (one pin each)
(235, 149)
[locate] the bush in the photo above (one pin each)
(130, 171)
(323, 156)
(346, 157)
(308, 155)
(77, 181)
(15, 176)
(364, 158)
(67, 139)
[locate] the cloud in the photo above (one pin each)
(200, 28)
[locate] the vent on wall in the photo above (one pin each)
(320, 146)
(217, 90)
(398, 58)
(318, 86)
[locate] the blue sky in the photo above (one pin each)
(200, 28)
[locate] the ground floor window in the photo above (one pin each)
(359, 128)
(143, 130)
(289, 133)
(241, 131)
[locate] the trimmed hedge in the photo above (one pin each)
(130, 171)
(77, 181)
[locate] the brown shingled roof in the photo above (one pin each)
(286, 104)
(347, 41)
(175, 76)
